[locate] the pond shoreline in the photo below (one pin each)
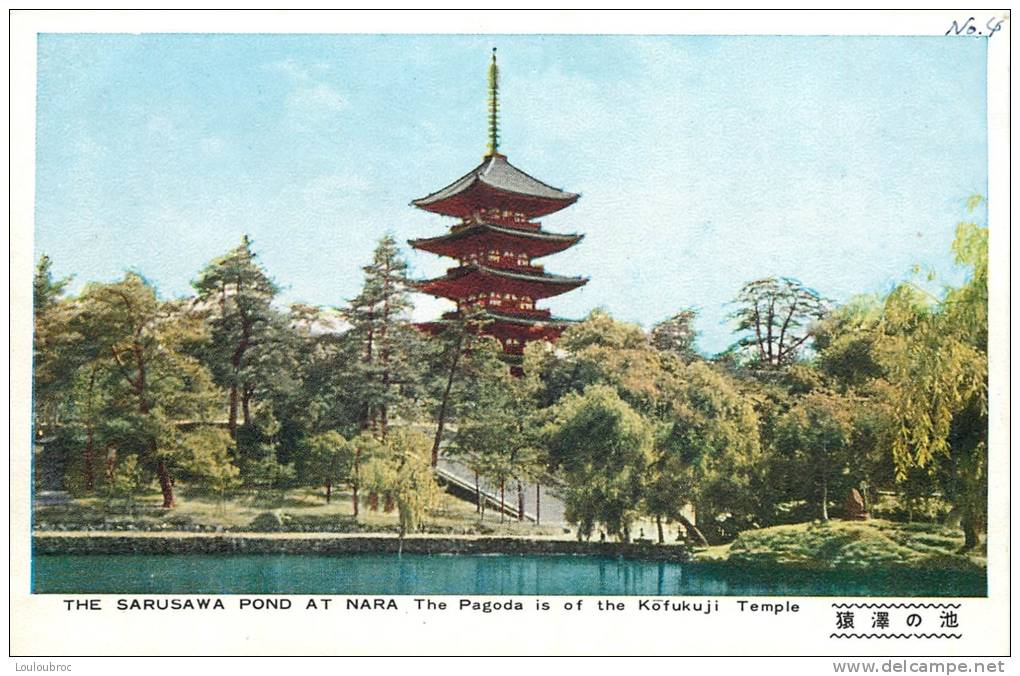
(118, 542)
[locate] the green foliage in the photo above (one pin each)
(326, 459)
(777, 316)
(401, 470)
(603, 448)
(708, 452)
(846, 342)
(935, 355)
(127, 479)
(386, 351)
(246, 353)
(891, 394)
(497, 430)
(839, 545)
(677, 335)
(204, 457)
(599, 350)
(815, 437)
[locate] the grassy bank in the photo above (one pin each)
(303, 510)
(849, 545)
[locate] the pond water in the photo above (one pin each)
(385, 574)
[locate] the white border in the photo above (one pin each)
(40, 625)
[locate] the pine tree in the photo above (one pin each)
(238, 294)
(387, 345)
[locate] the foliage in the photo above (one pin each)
(846, 342)
(603, 448)
(777, 316)
(815, 438)
(226, 390)
(385, 368)
(326, 459)
(935, 353)
(850, 545)
(402, 471)
(677, 335)
(205, 457)
(708, 452)
(237, 294)
(497, 436)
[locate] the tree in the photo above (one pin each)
(203, 455)
(707, 452)
(496, 436)
(778, 315)
(367, 448)
(237, 293)
(602, 447)
(462, 361)
(817, 434)
(326, 459)
(936, 355)
(402, 472)
(846, 342)
(143, 343)
(599, 350)
(386, 368)
(677, 335)
(53, 342)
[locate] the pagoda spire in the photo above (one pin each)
(495, 243)
(493, 106)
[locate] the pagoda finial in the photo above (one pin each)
(493, 105)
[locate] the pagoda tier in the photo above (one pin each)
(496, 188)
(513, 331)
(475, 279)
(481, 240)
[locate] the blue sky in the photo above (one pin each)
(703, 162)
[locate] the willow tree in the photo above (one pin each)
(402, 472)
(602, 447)
(935, 351)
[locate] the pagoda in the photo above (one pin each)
(496, 241)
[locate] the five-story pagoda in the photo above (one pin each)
(496, 242)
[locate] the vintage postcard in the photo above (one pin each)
(662, 333)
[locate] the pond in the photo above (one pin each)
(420, 574)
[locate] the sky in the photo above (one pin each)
(702, 162)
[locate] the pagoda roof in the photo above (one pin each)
(498, 323)
(490, 315)
(495, 183)
(536, 242)
(474, 278)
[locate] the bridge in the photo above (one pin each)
(542, 503)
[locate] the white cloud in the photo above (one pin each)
(212, 145)
(429, 308)
(315, 99)
(310, 98)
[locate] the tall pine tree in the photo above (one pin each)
(385, 368)
(238, 294)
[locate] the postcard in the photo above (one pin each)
(510, 333)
